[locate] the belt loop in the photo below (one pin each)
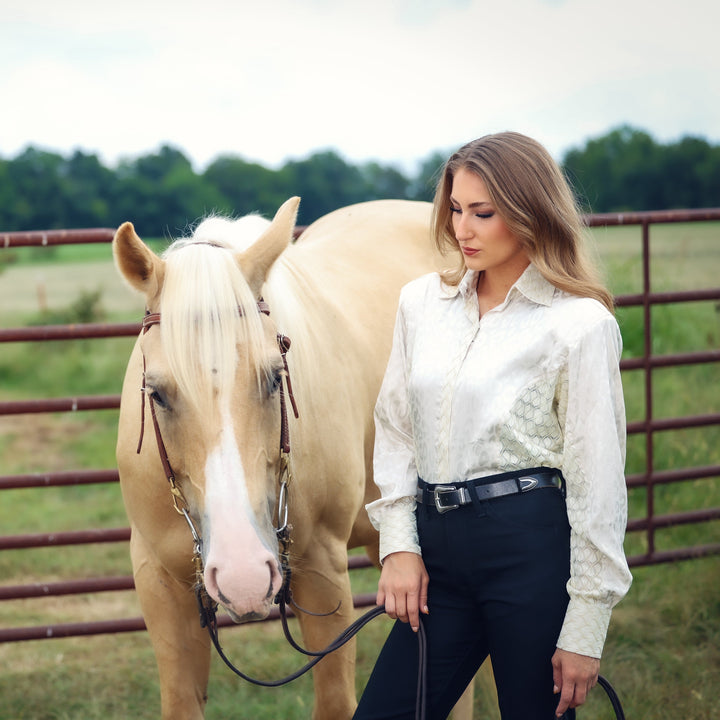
(425, 506)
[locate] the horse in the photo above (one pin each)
(208, 367)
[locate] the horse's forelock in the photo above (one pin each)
(203, 295)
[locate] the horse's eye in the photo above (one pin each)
(157, 397)
(274, 381)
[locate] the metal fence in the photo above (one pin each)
(649, 426)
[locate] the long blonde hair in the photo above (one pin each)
(531, 194)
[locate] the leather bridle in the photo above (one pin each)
(180, 503)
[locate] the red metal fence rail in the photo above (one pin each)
(649, 426)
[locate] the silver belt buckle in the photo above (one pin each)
(443, 491)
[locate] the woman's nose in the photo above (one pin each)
(462, 229)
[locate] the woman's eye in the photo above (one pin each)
(483, 215)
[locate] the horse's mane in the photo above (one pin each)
(293, 299)
(203, 295)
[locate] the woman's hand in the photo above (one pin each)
(573, 676)
(403, 587)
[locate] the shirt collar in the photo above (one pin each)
(531, 284)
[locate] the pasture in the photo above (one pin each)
(663, 649)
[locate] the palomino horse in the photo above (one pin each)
(212, 366)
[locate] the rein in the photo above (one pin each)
(208, 619)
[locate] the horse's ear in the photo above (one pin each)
(256, 261)
(137, 263)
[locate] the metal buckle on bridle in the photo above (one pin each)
(283, 530)
(284, 479)
(207, 607)
(179, 502)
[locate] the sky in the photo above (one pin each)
(374, 80)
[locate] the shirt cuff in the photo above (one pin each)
(398, 528)
(585, 628)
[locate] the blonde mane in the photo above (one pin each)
(295, 305)
(203, 296)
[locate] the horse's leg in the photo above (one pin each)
(365, 535)
(182, 647)
(463, 709)
(321, 584)
(485, 683)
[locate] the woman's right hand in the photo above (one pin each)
(403, 587)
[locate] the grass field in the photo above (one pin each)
(663, 649)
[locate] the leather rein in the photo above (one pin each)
(207, 607)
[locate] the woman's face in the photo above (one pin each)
(484, 239)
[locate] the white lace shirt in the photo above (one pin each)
(534, 382)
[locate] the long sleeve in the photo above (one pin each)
(591, 411)
(394, 464)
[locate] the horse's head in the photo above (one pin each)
(213, 370)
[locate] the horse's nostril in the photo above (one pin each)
(274, 576)
(213, 587)
(210, 579)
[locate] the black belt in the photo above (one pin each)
(451, 497)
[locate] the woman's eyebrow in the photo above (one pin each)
(478, 204)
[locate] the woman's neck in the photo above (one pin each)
(493, 285)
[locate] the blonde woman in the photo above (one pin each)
(500, 449)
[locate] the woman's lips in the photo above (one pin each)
(469, 250)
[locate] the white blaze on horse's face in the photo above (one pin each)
(217, 401)
(240, 478)
(245, 582)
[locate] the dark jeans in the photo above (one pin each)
(498, 571)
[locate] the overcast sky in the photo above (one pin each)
(388, 80)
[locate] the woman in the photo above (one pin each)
(500, 450)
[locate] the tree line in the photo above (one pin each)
(624, 170)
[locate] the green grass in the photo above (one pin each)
(662, 652)
(64, 254)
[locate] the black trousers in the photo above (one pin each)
(498, 572)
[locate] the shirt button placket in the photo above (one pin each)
(446, 399)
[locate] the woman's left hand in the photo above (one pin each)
(573, 676)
